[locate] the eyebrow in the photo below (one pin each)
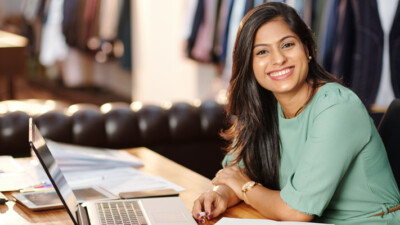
(280, 40)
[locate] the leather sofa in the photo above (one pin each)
(187, 133)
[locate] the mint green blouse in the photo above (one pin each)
(333, 162)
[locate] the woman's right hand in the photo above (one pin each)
(213, 203)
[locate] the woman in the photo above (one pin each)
(302, 146)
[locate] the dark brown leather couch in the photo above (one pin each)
(186, 133)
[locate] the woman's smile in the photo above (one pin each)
(282, 73)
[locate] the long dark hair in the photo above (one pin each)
(254, 132)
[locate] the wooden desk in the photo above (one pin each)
(155, 165)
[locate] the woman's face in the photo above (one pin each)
(280, 61)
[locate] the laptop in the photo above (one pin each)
(146, 211)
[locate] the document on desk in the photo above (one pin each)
(13, 175)
(9, 165)
(237, 221)
(121, 179)
(15, 181)
(115, 180)
(77, 158)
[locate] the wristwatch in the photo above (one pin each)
(246, 187)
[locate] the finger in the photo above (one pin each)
(207, 204)
(197, 207)
(220, 179)
(218, 208)
(216, 178)
(216, 181)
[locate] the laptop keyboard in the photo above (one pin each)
(120, 212)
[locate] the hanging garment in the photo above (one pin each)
(327, 34)
(188, 18)
(359, 49)
(90, 21)
(204, 41)
(124, 34)
(53, 47)
(198, 18)
(387, 10)
(238, 11)
(222, 29)
(108, 20)
(70, 22)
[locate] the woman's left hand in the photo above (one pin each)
(233, 177)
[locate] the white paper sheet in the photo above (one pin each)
(236, 221)
(121, 179)
(9, 165)
(15, 181)
(13, 176)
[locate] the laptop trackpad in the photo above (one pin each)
(168, 210)
(168, 217)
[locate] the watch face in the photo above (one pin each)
(248, 185)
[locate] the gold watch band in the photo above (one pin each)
(245, 188)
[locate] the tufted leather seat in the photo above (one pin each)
(186, 133)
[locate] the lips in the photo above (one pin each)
(281, 74)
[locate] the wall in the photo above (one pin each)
(160, 70)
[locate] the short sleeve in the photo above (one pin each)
(336, 135)
(229, 158)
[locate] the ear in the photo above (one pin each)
(306, 51)
(309, 57)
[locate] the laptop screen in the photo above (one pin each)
(50, 166)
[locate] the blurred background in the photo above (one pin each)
(84, 51)
(98, 51)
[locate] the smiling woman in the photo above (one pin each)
(280, 64)
(300, 141)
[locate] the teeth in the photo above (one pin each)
(280, 73)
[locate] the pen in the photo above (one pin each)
(204, 217)
(43, 186)
(36, 188)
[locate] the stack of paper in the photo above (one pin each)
(83, 166)
(121, 179)
(114, 180)
(77, 158)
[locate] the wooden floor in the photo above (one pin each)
(42, 89)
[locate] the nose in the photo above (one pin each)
(278, 58)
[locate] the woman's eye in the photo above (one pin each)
(287, 45)
(262, 52)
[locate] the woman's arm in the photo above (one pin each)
(227, 192)
(270, 204)
(214, 202)
(267, 202)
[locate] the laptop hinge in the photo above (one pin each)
(82, 215)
